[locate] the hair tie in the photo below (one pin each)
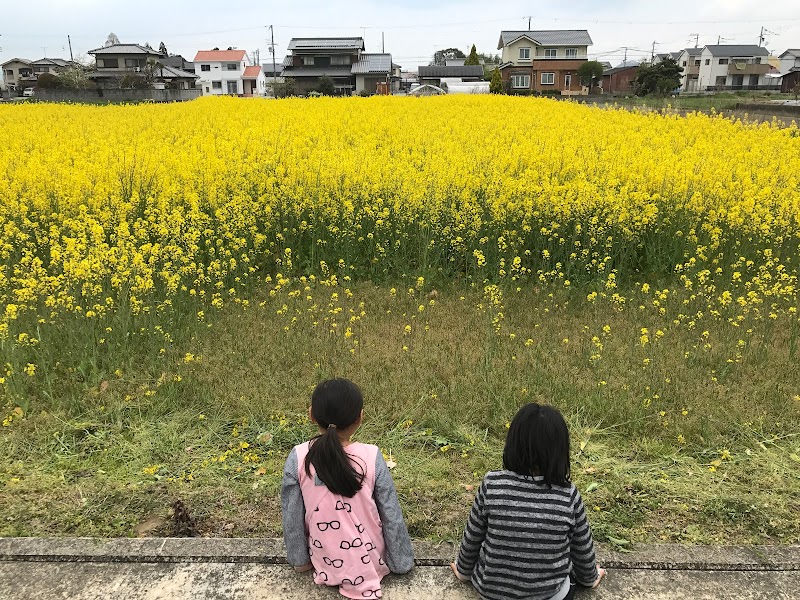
(331, 426)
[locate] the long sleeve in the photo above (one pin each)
(474, 534)
(584, 566)
(294, 514)
(399, 553)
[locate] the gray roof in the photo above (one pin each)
(317, 72)
(620, 68)
(606, 64)
(124, 49)
(791, 52)
(287, 60)
(738, 50)
(373, 63)
(177, 61)
(20, 60)
(693, 51)
(267, 67)
(173, 72)
(59, 62)
(462, 71)
(551, 37)
(337, 43)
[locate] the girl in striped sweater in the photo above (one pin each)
(527, 532)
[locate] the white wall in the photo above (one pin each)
(789, 62)
(219, 72)
(710, 72)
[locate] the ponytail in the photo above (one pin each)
(335, 404)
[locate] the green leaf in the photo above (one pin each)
(592, 487)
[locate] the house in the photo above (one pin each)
(619, 80)
(789, 60)
(790, 81)
(177, 61)
(20, 73)
(734, 67)
(221, 72)
(689, 60)
(17, 72)
(342, 59)
(254, 80)
(544, 61)
(436, 75)
(164, 77)
(115, 62)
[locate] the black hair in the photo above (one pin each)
(538, 444)
(335, 404)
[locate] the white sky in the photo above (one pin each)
(413, 29)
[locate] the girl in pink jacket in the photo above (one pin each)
(341, 515)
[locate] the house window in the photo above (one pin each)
(217, 85)
(708, 61)
(758, 60)
(684, 63)
(9, 73)
(340, 60)
(521, 81)
(568, 81)
(697, 63)
(135, 62)
(38, 69)
(572, 53)
(550, 52)
(108, 63)
(205, 67)
(524, 53)
(721, 79)
(548, 78)
(232, 66)
(233, 87)
(308, 61)
(723, 61)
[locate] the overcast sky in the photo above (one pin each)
(413, 29)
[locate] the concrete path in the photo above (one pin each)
(231, 569)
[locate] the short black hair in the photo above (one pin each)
(538, 444)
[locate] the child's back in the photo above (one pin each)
(523, 538)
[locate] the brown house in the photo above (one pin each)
(619, 80)
(790, 80)
(544, 61)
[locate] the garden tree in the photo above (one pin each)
(75, 78)
(440, 56)
(48, 81)
(473, 59)
(496, 84)
(162, 48)
(796, 91)
(489, 58)
(660, 78)
(111, 39)
(285, 89)
(589, 73)
(133, 81)
(326, 86)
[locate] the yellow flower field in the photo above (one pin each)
(172, 274)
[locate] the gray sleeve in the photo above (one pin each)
(399, 553)
(294, 515)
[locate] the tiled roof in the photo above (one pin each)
(267, 67)
(287, 60)
(251, 72)
(20, 60)
(693, 51)
(335, 43)
(59, 62)
(738, 50)
(551, 37)
(219, 55)
(462, 71)
(124, 49)
(619, 68)
(373, 63)
(167, 72)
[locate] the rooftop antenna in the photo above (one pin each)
(763, 35)
(696, 37)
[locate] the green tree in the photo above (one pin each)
(473, 59)
(496, 84)
(590, 73)
(326, 86)
(162, 48)
(657, 79)
(48, 81)
(284, 89)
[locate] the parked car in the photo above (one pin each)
(28, 93)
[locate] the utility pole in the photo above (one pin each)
(625, 60)
(383, 44)
(761, 37)
(529, 23)
(69, 41)
(653, 53)
(274, 72)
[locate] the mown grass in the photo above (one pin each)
(689, 437)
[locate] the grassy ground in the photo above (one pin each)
(689, 436)
(720, 101)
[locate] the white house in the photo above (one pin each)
(221, 72)
(255, 82)
(789, 60)
(689, 60)
(734, 67)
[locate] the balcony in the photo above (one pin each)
(691, 70)
(747, 67)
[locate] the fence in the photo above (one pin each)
(107, 96)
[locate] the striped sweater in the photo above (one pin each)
(523, 538)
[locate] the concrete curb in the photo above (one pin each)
(671, 557)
